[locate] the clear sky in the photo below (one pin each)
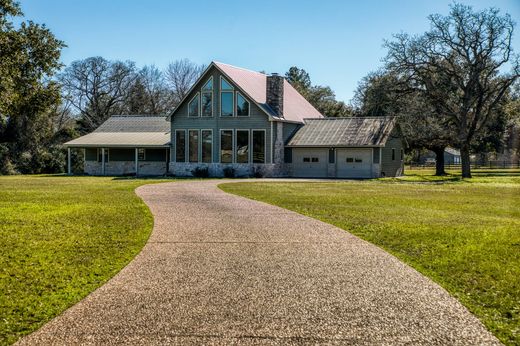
(337, 42)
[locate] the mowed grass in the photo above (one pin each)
(464, 234)
(60, 238)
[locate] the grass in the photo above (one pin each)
(462, 233)
(61, 238)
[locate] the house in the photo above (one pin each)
(246, 122)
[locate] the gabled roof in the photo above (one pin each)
(254, 85)
(344, 132)
(127, 131)
(452, 151)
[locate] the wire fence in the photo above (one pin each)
(474, 165)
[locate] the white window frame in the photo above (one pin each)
(199, 108)
(198, 145)
(212, 85)
(265, 146)
(212, 145)
(221, 91)
(249, 141)
(236, 105)
(107, 155)
(144, 154)
(185, 146)
(232, 146)
(211, 103)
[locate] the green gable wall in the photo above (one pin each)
(257, 119)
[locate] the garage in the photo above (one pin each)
(354, 163)
(310, 162)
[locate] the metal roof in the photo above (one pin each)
(343, 132)
(127, 131)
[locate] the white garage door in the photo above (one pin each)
(310, 162)
(354, 163)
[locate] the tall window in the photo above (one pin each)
(207, 146)
(180, 146)
(242, 146)
(242, 106)
(226, 98)
(193, 106)
(194, 145)
(393, 154)
(207, 98)
(226, 146)
(258, 146)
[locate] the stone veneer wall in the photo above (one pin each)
(185, 169)
(125, 167)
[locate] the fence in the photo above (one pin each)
(474, 165)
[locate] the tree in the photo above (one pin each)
(180, 75)
(384, 94)
(149, 94)
(97, 88)
(29, 57)
(465, 51)
(321, 97)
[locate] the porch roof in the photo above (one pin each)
(121, 139)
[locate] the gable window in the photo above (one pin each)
(258, 146)
(207, 99)
(207, 146)
(193, 106)
(226, 98)
(226, 146)
(180, 146)
(242, 106)
(209, 85)
(242, 146)
(141, 154)
(193, 145)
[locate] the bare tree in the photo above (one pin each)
(97, 88)
(465, 51)
(180, 76)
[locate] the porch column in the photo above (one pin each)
(136, 161)
(69, 168)
(102, 161)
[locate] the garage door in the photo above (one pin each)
(354, 163)
(310, 162)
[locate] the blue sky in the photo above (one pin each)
(337, 42)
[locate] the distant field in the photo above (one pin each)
(464, 234)
(61, 238)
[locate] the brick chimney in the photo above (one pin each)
(275, 93)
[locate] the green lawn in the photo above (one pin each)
(464, 234)
(61, 238)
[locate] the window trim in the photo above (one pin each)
(220, 85)
(232, 146)
(236, 105)
(199, 110)
(198, 146)
(233, 113)
(212, 85)
(185, 146)
(212, 145)
(265, 146)
(99, 155)
(249, 141)
(139, 152)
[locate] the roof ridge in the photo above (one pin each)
(238, 68)
(137, 115)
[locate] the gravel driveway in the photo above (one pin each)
(222, 269)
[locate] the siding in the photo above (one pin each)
(257, 119)
(392, 168)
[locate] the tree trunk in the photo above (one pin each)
(465, 160)
(439, 161)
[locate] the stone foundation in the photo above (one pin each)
(185, 169)
(125, 168)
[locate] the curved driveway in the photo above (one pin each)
(222, 269)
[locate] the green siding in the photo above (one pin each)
(257, 119)
(388, 166)
(289, 129)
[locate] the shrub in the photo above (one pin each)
(229, 172)
(200, 172)
(258, 172)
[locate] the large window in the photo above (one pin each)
(242, 106)
(258, 146)
(226, 98)
(194, 145)
(226, 146)
(180, 146)
(207, 146)
(193, 106)
(100, 155)
(242, 146)
(207, 98)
